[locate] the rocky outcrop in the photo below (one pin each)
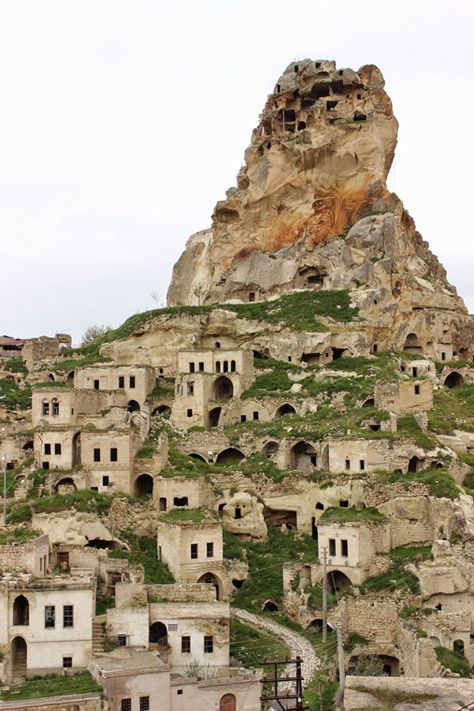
(311, 210)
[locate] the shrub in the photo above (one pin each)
(391, 580)
(455, 662)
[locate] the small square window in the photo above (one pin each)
(189, 412)
(121, 382)
(144, 703)
(210, 550)
(49, 616)
(208, 644)
(68, 616)
(67, 662)
(47, 449)
(105, 480)
(96, 454)
(96, 384)
(131, 381)
(179, 691)
(122, 640)
(57, 448)
(161, 371)
(45, 465)
(243, 418)
(113, 454)
(126, 705)
(194, 551)
(185, 645)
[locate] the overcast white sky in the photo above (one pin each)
(123, 122)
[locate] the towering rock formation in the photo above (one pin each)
(311, 210)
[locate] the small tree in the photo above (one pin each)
(93, 333)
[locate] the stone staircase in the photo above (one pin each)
(98, 636)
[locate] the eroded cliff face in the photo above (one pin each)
(311, 209)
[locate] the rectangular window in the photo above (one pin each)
(417, 389)
(131, 381)
(348, 464)
(255, 415)
(208, 644)
(68, 616)
(189, 412)
(185, 645)
(47, 449)
(192, 367)
(210, 550)
(45, 465)
(105, 480)
(55, 407)
(201, 366)
(344, 548)
(414, 371)
(332, 546)
(96, 454)
(190, 389)
(113, 454)
(144, 703)
(49, 616)
(57, 448)
(45, 408)
(122, 640)
(96, 384)
(194, 551)
(443, 356)
(121, 381)
(362, 464)
(243, 418)
(67, 662)
(126, 705)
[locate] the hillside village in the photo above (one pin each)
(299, 420)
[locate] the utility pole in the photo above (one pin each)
(278, 695)
(342, 674)
(4, 458)
(325, 596)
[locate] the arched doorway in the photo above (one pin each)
(211, 579)
(270, 448)
(214, 416)
(133, 406)
(21, 611)
(163, 410)
(65, 486)
(158, 634)
(197, 456)
(222, 389)
(70, 378)
(414, 464)
(454, 379)
(228, 703)
(285, 409)
(143, 485)
(412, 344)
(19, 659)
(337, 581)
(303, 457)
(227, 456)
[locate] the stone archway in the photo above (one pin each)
(228, 703)
(19, 659)
(222, 389)
(143, 485)
(453, 379)
(211, 579)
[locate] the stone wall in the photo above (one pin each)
(73, 702)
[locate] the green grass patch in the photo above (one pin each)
(409, 427)
(265, 562)
(143, 552)
(391, 580)
(250, 645)
(51, 685)
(18, 535)
(439, 482)
(390, 699)
(405, 554)
(85, 500)
(345, 515)
(13, 396)
(456, 662)
(196, 515)
(15, 365)
(452, 409)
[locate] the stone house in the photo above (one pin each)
(194, 552)
(29, 557)
(187, 625)
(404, 396)
(135, 383)
(46, 624)
(206, 380)
(351, 548)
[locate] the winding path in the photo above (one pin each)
(298, 644)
